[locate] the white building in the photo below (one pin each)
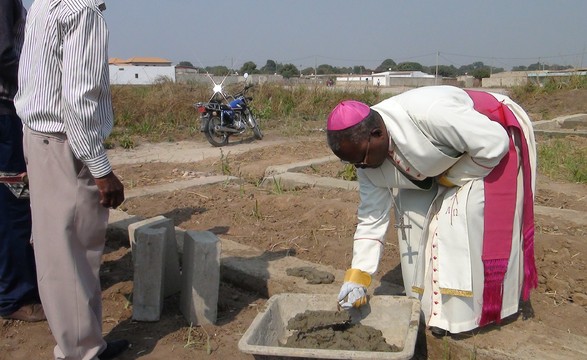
(140, 71)
(387, 78)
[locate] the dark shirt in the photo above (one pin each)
(12, 21)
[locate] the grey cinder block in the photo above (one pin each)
(200, 277)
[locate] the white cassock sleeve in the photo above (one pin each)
(373, 214)
(453, 125)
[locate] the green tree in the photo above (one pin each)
(249, 67)
(325, 69)
(481, 73)
(386, 65)
(359, 69)
(289, 71)
(446, 71)
(345, 70)
(409, 66)
(269, 68)
(468, 69)
(185, 63)
(520, 68)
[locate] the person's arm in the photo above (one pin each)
(8, 55)
(373, 214)
(85, 53)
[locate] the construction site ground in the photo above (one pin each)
(276, 204)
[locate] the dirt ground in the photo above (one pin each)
(310, 223)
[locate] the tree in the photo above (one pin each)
(345, 70)
(468, 69)
(289, 70)
(325, 69)
(269, 68)
(446, 71)
(185, 63)
(249, 67)
(359, 69)
(409, 66)
(218, 70)
(481, 73)
(386, 65)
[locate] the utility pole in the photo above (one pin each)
(315, 69)
(436, 76)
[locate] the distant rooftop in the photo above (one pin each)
(141, 61)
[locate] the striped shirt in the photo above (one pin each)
(64, 79)
(12, 19)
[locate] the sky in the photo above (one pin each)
(341, 33)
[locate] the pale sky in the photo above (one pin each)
(306, 33)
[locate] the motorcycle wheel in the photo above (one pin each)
(215, 138)
(253, 124)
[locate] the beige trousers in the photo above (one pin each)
(69, 229)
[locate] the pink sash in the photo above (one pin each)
(500, 204)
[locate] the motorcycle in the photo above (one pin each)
(225, 115)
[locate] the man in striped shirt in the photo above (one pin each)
(65, 104)
(19, 296)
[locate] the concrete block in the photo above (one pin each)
(172, 272)
(200, 277)
(179, 237)
(149, 249)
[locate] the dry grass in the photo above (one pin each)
(165, 112)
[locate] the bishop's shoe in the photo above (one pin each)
(438, 332)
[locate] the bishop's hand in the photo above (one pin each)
(352, 295)
(353, 292)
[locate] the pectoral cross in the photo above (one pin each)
(402, 226)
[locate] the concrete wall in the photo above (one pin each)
(466, 81)
(189, 75)
(403, 82)
(140, 75)
(505, 79)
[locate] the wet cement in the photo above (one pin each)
(312, 275)
(333, 330)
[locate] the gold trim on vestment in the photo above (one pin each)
(455, 292)
(445, 291)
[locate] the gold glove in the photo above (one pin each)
(353, 292)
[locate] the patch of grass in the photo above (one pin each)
(532, 89)
(349, 173)
(126, 142)
(197, 343)
(563, 159)
(257, 211)
(165, 112)
(224, 163)
(277, 186)
(127, 301)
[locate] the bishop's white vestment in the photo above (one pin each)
(436, 131)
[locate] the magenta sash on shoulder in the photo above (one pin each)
(500, 204)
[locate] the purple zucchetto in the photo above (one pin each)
(346, 114)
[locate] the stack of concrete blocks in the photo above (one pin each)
(156, 266)
(154, 247)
